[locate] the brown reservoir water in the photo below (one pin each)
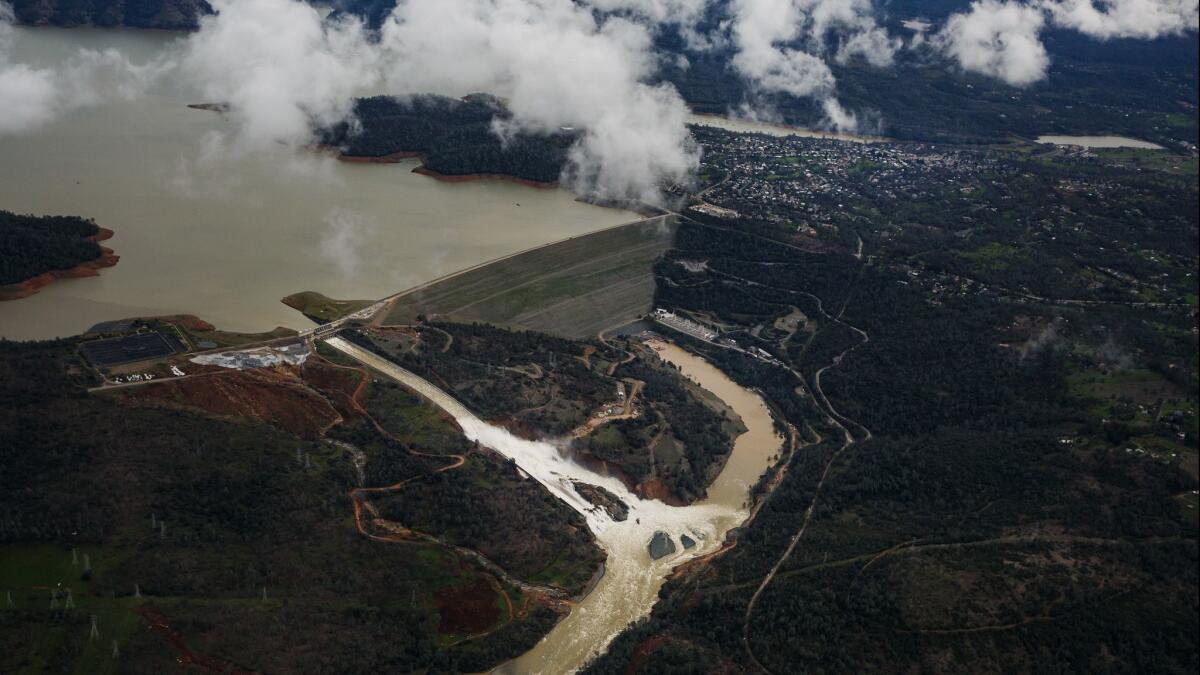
(225, 236)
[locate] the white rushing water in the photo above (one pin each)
(631, 580)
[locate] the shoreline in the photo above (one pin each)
(88, 268)
(463, 178)
(783, 129)
(397, 157)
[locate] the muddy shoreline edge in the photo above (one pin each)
(89, 268)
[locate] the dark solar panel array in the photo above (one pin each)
(128, 348)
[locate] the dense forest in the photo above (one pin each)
(166, 14)
(1140, 88)
(541, 385)
(1143, 89)
(678, 440)
(32, 245)
(186, 535)
(454, 137)
(981, 510)
(534, 382)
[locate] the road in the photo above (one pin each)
(835, 419)
(374, 311)
(371, 311)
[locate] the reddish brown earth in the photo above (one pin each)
(643, 651)
(651, 489)
(656, 489)
(160, 624)
(382, 159)
(90, 268)
(339, 384)
(275, 396)
(602, 467)
(484, 176)
(518, 428)
(468, 609)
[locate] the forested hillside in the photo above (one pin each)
(668, 444)
(180, 528)
(1142, 88)
(453, 137)
(31, 245)
(169, 14)
(978, 517)
(998, 465)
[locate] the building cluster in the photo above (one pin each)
(684, 325)
(809, 182)
(697, 330)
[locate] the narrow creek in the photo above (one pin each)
(631, 582)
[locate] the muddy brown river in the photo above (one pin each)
(631, 581)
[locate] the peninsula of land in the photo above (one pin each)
(38, 250)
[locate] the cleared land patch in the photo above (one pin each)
(574, 288)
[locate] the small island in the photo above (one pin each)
(455, 139)
(36, 250)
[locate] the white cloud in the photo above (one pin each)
(782, 46)
(839, 118)
(27, 98)
(682, 14)
(32, 97)
(998, 39)
(285, 71)
(761, 30)
(346, 239)
(1002, 39)
(557, 65)
(281, 68)
(1126, 18)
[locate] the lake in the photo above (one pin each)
(225, 236)
(773, 129)
(1099, 142)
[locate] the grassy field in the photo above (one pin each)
(226, 339)
(320, 308)
(32, 573)
(574, 288)
(1159, 160)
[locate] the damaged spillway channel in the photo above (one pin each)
(632, 578)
